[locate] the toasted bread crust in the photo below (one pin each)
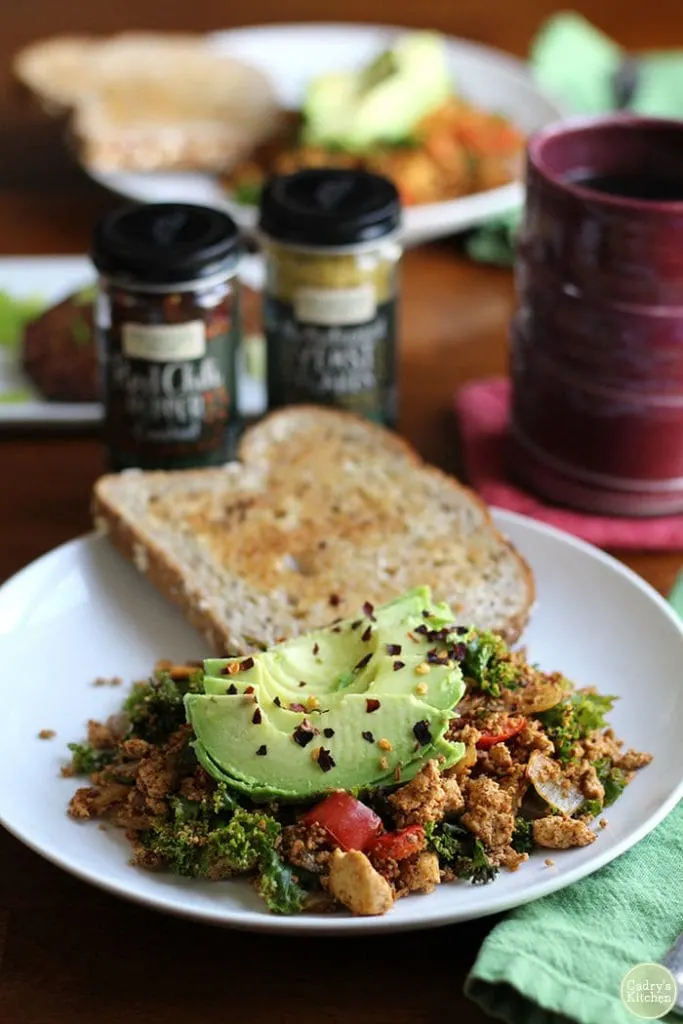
(165, 571)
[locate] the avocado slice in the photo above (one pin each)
(385, 675)
(271, 752)
(383, 101)
(377, 652)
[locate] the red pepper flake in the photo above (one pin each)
(363, 662)
(458, 652)
(231, 668)
(367, 634)
(296, 707)
(399, 665)
(368, 736)
(393, 649)
(262, 751)
(421, 732)
(328, 733)
(246, 664)
(304, 733)
(256, 718)
(369, 611)
(437, 635)
(371, 704)
(316, 649)
(277, 702)
(422, 629)
(435, 657)
(249, 689)
(356, 623)
(232, 689)
(325, 759)
(335, 600)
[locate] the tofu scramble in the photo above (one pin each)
(538, 767)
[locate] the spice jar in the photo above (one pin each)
(330, 239)
(167, 317)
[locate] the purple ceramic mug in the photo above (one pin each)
(597, 340)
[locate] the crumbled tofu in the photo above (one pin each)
(632, 760)
(425, 798)
(488, 812)
(557, 833)
(421, 873)
(357, 886)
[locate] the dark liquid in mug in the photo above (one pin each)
(631, 186)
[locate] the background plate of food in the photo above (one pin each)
(48, 359)
(95, 619)
(205, 118)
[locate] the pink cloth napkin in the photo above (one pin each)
(482, 409)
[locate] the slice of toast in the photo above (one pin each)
(324, 512)
(151, 101)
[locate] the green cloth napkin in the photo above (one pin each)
(561, 959)
(576, 63)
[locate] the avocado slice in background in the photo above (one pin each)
(383, 101)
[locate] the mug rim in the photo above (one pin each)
(582, 123)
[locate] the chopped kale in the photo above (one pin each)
(445, 839)
(486, 663)
(463, 852)
(155, 708)
(573, 719)
(86, 759)
(278, 884)
(522, 837)
(480, 870)
(614, 780)
(591, 807)
(201, 843)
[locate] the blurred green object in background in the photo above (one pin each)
(578, 65)
(14, 315)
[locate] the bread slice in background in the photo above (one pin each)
(151, 101)
(325, 512)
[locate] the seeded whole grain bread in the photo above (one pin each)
(145, 101)
(323, 512)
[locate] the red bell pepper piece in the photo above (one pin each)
(398, 845)
(349, 822)
(507, 731)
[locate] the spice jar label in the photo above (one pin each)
(161, 343)
(351, 365)
(335, 306)
(170, 402)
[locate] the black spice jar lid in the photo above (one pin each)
(165, 243)
(328, 208)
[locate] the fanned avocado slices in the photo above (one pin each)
(362, 703)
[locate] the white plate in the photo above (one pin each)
(82, 612)
(51, 279)
(291, 55)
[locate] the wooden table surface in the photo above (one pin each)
(70, 954)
